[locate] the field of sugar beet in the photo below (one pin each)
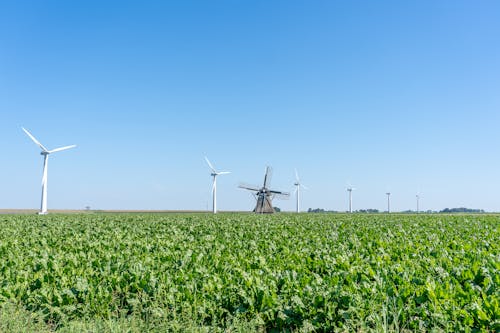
(247, 273)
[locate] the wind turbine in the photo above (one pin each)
(418, 201)
(214, 174)
(350, 189)
(45, 153)
(388, 202)
(298, 185)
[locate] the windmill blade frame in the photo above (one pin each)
(249, 187)
(282, 196)
(279, 192)
(268, 176)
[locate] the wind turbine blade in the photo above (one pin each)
(223, 172)
(61, 149)
(35, 140)
(297, 176)
(210, 165)
(304, 187)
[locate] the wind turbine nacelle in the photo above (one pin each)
(43, 153)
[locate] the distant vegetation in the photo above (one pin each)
(375, 211)
(368, 211)
(320, 210)
(461, 210)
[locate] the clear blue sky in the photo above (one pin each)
(387, 95)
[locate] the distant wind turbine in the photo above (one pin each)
(418, 202)
(45, 152)
(350, 189)
(298, 185)
(388, 202)
(214, 174)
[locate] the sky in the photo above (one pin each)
(398, 96)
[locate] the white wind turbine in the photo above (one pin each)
(298, 185)
(45, 152)
(350, 189)
(418, 202)
(214, 174)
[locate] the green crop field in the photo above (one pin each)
(239, 273)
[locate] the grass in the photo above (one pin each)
(14, 318)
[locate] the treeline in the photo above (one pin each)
(320, 210)
(461, 210)
(375, 211)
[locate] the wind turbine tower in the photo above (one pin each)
(418, 202)
(298, 185)
(214, 174)
(350, 189)
(388, 202)
(45, 153)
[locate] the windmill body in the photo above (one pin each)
(264, 195)
(45, 153)
(214, 175)
(264, 203)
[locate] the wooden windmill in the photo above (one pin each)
(264, 195)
